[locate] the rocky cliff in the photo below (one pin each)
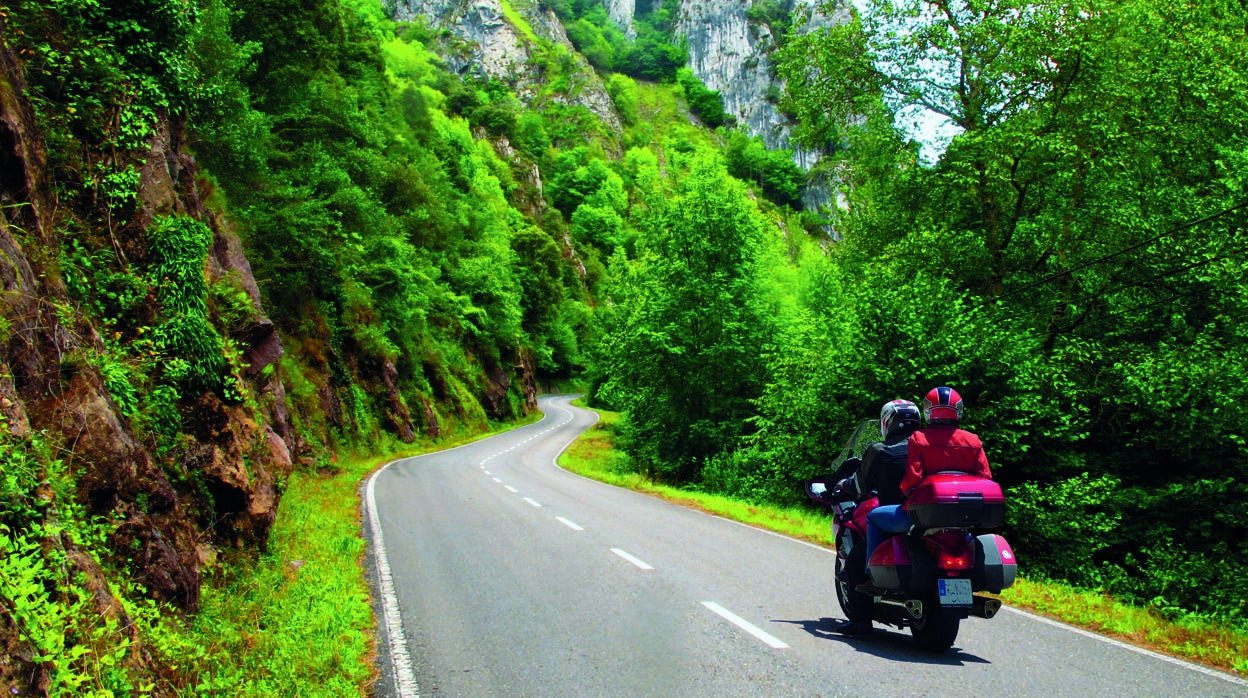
(728, 51)
(733, 55)
(498, 39)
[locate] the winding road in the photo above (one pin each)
(497, 573)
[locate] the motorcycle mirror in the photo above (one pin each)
(815, 489)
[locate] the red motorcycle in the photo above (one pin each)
(924, 580)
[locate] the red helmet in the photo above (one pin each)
(898, 415)
(942, 406)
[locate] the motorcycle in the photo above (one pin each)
(925, 580)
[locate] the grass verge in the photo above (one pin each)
(297, 620)
(1194, 639)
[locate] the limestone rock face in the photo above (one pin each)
(732, 55)
(621, 13)
(488, 44)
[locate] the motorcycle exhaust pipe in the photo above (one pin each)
(913, 607)
(984, 607)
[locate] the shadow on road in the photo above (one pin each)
(886, 643)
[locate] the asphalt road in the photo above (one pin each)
(496, 573)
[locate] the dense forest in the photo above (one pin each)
(434, 246)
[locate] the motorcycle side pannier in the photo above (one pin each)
(956, 500)
(995, 565)
(902, 563)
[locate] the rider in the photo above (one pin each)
(941, 445)
(881, 470)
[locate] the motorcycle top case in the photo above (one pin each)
(956, 500)
(995, 565)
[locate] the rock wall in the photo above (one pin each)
(167, 525)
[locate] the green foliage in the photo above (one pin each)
(773, 170)
(120, 381)
(113, 295)
(623, 91)
(706, 104)
(596, 38)
(1041, 518)
(39, 619)
(531, 136)
(680, 356)
(600, 226)
(829, 83)
(1047, 267)
(774, 14)
(653, 55)
(20, 504)
(192, 346)
(48, 594)
(577, 177)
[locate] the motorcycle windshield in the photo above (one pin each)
(867, 432)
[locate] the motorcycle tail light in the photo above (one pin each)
(949, 557)
(962, 561)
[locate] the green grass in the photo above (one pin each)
(520, 23)
(1194, 639)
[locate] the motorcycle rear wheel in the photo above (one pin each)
(939, 628)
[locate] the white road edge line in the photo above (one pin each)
(1132, 648)
(532, 501)
(405, 685)
(568, 523)
(745, 625)
(640, 564)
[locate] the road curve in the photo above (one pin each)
(497, 573)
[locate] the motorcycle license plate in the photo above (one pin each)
(954, 592)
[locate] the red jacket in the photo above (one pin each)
(943, 447)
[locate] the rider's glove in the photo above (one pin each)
(848, 486)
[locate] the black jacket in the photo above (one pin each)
(883, 466)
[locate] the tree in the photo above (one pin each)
(1086, 230)
(683, 353)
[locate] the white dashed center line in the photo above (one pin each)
(640, 564)
(744, 625)
(568, 523)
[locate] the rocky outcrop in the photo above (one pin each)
(732, 55)
(489, 44)
(622, 12)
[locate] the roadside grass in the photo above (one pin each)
(296, 620)
(1191, 638)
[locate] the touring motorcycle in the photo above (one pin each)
(925, 580)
